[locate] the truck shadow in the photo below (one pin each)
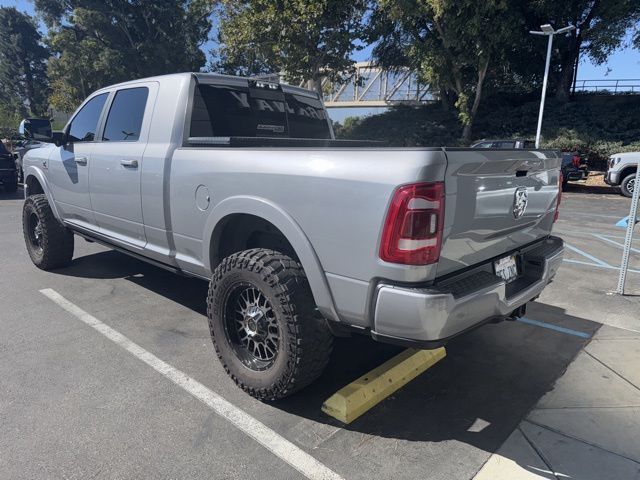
(491, 378)
(189, 292)
(478, 394)
(19, 195)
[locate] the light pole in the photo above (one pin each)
(550, 32)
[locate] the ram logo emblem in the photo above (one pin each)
(520, 200)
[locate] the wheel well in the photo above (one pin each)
(627, 171)
(32, 186)
(241, 231)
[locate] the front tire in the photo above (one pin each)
(264, 324)
(49, 243)
(627, 185)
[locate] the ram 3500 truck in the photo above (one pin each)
(240, 182)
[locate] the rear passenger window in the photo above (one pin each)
(84, 125)
(125, 115)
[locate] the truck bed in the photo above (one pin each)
(279, 142)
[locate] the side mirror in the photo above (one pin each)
(24, 130)
(59, 138)
(36, 129)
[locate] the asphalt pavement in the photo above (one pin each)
(79, 403)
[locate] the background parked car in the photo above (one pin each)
(20, 148)
(622, 171)
(8, 176)
(570, 168)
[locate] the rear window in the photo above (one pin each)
(230, 111)
(3, 149)
(307, 118)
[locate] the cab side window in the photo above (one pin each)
(124, 121)
(84, 125)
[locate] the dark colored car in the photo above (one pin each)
(505, 144)
(8, 174)
(570, 168)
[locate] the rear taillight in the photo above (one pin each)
(557, 214)
(412, 232)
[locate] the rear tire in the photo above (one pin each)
(49, 243)
(264, 324)
(627, 185)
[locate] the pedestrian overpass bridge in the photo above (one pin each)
(374, 86)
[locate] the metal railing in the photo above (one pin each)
(373, 86)
(619, 85)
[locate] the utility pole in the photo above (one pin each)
(550, 32)
(628, 239)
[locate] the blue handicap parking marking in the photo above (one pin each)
(551, 326)
(624, 222)
(596, 261)
(613, 242)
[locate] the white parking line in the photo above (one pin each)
(272, 441)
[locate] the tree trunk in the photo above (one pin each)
(569, 58)
(445, 100)
(468, 128)
(565, 80)
(315, 84)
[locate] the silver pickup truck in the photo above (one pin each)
(240, 182)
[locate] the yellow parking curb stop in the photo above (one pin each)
(359, 396)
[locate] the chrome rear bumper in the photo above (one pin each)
(430, 316)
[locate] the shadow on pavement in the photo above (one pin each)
(190, 292)
(584, 188)
(477, 395)
(19, 195)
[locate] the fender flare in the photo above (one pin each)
(36, 172)
(263, 208)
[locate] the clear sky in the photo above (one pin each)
(624, 63)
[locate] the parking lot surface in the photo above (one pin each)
(76, 403)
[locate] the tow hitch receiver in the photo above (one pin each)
(518, 312)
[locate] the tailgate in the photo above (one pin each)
(496, 202)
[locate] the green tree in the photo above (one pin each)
(305, 40)
(23, 79)
(601, 28)
(452, 44)
(100, 43)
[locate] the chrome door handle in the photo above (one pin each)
(129, 163)
(81, 160)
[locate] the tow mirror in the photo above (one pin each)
(36, 129)
(24, 130)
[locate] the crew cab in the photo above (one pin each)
(240, 182)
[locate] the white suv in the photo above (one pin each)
(622, 171)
